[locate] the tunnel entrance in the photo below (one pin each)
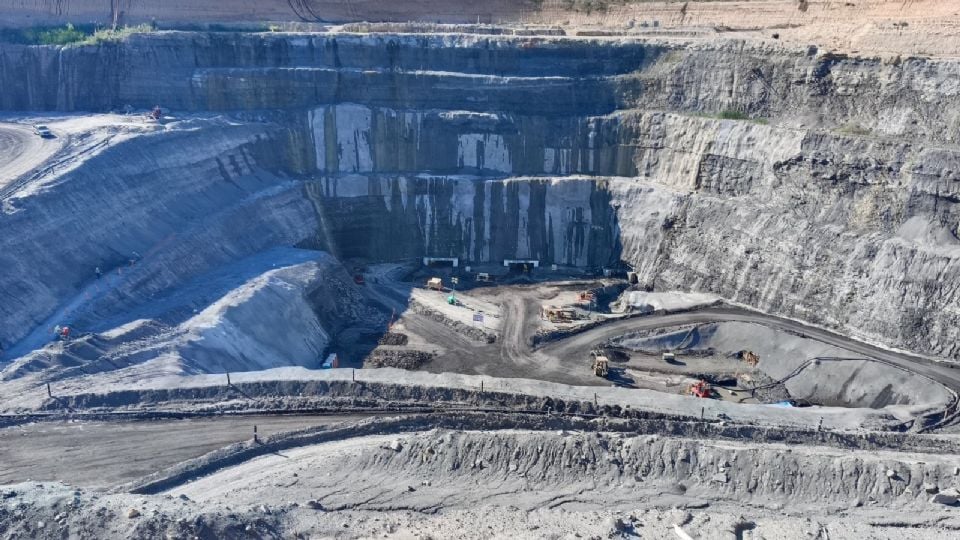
(521, 266)
(441, 262)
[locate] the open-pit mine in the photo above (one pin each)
(430, 269)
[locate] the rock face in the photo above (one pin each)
(549, 76)
(281, 317)
(151, 212)
(568, 222)
(18, 12)
(839, 208)
(279, 308)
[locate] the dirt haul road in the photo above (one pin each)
(21, 151)
(565, 360)
(100, 455)
(106, 454)
(579, 345)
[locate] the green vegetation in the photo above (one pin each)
(732, 114)
(106, 34)
(855, 129)
(46, 36)
(70, 34)
(61, 36)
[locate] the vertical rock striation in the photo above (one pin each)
(829, 193)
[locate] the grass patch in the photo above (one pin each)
(855, 129)
(61, 36)
(70, 34)
(106, 34)
(46, 35)
(731, 114)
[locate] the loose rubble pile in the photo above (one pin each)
(403, 359)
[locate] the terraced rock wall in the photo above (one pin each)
(827, 192)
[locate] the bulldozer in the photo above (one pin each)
(556, 314)
(601, 365)
(701, 389)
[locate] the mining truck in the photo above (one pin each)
(601, 365)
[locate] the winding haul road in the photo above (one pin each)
(563, 360)
(22, 151)
(579, 345)
(105, 454)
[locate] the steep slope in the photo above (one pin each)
(802, 183)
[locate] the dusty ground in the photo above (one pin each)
(449, 337)
(483, 483)
(474, 484)
(22, 151)
(27, 162)
(88, 454)
(864, 27)
(519, 484)
(455, 349)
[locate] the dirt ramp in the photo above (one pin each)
(808, 369)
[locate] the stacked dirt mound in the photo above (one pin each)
(398, 358)
(394, 338)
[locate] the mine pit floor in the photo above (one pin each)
(444, 338)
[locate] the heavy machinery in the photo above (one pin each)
(435, 284)
(601, 364)
(669, 357)
(557, 314)
(749, 357)
(587, 299)
(701, 389)
(332, 361)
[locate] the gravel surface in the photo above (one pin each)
(516, 483)
(105, 454)
(21, 151)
